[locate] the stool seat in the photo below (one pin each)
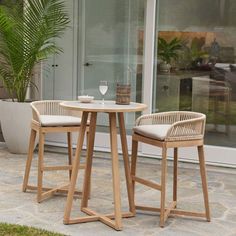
(55, 120)
(158, 132)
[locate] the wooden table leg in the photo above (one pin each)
(115, 171)
(89, 159)
(75, 168)
(126, 162)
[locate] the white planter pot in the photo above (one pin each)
(15, 120)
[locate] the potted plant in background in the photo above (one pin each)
(197, 53)
(28, 30)
(167, 51)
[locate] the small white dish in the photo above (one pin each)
(85, 98)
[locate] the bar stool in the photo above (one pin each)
(170, 130)
(50, 117)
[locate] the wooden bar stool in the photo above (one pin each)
(50, 117)
(170, 130)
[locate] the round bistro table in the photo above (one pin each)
(113, 220)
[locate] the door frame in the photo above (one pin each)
(216, 155)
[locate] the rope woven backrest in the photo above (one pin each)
(185, 125)
(50, 107)
(186, 130)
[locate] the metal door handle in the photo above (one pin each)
(87, 64)
(165, 87)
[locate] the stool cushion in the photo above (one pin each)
(158, 132)
(53, 120)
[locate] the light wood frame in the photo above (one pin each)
(92, 215)
(113, 220)
(164, 145)
(37, 128)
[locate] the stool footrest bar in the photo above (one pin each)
(60, 190)
(171, 211)
(54, 168)
(147, 183)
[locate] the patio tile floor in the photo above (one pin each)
(21, 208)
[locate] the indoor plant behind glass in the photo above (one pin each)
(28, 30)
(168, 51)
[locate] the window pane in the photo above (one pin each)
(113, 49)
(195, 68)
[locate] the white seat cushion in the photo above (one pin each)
(153, 131)
(53, 120)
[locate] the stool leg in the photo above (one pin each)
(204, 181)
(175, 174)
(163, 186)
(133, 170)
(29, 159)
(70, 151)
(40, 166)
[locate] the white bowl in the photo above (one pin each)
(85, 98)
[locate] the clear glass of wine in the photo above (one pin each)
(103, 87)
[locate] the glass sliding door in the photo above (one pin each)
(111, 48)
(198, 73)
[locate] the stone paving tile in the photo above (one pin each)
(21, 208)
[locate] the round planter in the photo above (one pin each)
(15, 120)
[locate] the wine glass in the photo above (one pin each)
(103, 87)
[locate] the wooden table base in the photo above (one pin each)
(113, 220)
(94, 216)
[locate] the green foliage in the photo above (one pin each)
(11, 3)
(18, 230)
(169, 50)
(196, 51)
(26, 38)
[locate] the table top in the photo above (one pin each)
(108, 106)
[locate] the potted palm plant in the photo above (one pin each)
(28, 32)
(167, 51)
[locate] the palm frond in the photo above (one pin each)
(27, 38)
(169, 50)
